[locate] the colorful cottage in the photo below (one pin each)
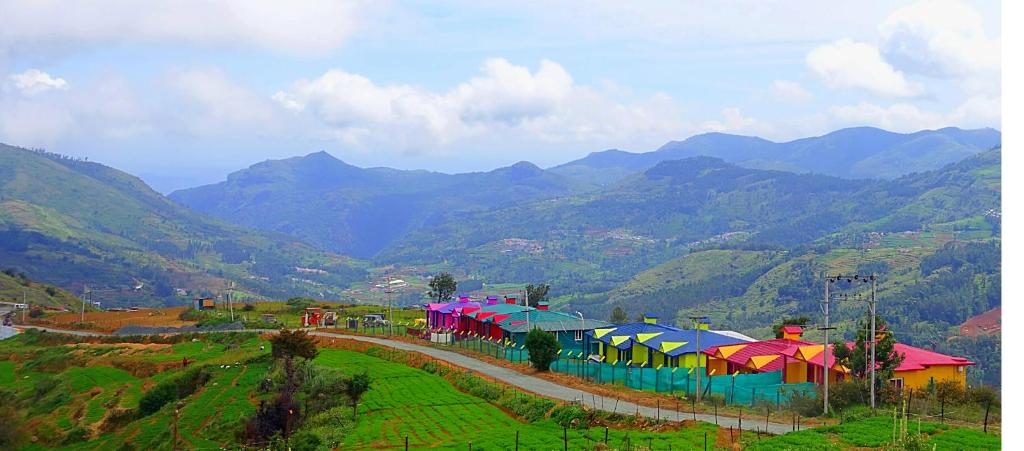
(651, 344)
(921, 367)
(569, 330)
(445, 315)
(798, 360)
(483, 322)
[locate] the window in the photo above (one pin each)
(579, 335)
(897, 382)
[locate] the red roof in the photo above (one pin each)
(792, 329)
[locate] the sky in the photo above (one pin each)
(184, 92)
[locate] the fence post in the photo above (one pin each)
(715, 403)
(942, 408)
(767, 414)
(407, 443)
(565, 438)
(606, 434)
(987, 406)
(741, 418)
(705, 442)
(658, 417)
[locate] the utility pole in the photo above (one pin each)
(230, 307)
(24, 300)
(696, 325)
(387, 292)
(526, 299)
(85, 295)
(873, 339)
(825, 329)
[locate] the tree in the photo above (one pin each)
(537, 293)
(543, 348)
(287, 345)
(801, 321)
(619, 316)
(858, 358)
(355, 387)
(443, 286)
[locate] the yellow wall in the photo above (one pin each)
(919, 379)
(796, 372)
(639, 354)
(720, 366)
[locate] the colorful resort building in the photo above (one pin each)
(508, 321)
(650, 344)
(803, 361)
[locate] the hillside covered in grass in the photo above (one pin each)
(73, 223)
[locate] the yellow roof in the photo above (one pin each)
(598, 333)
(619, 339)
(810, 351)
(761, 360)
(644, 337)
(727, 351)
(667, 346)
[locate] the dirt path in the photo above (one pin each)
(552, 390)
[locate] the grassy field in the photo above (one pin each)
(408, 402)
(877, 432)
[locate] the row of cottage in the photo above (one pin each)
(650, 344)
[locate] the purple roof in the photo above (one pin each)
(451, 306)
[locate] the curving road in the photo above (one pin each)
(553, 390)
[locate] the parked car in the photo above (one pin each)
(375, 320)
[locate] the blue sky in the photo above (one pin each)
(184, 92)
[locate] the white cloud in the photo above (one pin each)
(849, 64)
(944, 38)
(309, 26)
(504, 103)
(34, 81)
(207, 101)
(791, 92)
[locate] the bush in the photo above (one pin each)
(982, 395)
(529, 408)
(543, 349)
(846, 394)
(805, 404)
(76, 435)
(950, 391)
(571, 416)
(304, 441)
(248, 307)
(172, 390)
(36, 313)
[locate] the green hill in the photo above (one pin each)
(357, 211)
(17, 288)
(71, 223)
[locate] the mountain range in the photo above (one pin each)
(861, 152)
(74, 223)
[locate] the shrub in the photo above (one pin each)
(982, 395)
(304, 441)
(805, 404)
(36, 313)
(530, 408)
(75, 435)
(248, 307)
(173, 389)
(543, 349)
(571, 416)
(949, 391)
(846, 394)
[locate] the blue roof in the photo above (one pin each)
(631, 329)
(708, 339)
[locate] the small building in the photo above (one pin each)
(798, 360)
(445, 315)
(206, 303)
(649, 343)
(921, 367)
(569, 330)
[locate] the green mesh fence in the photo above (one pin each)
(747, 389)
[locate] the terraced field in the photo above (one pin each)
(407, 402)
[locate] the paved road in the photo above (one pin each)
(532, 384)
(552, 390)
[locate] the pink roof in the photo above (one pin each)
(758, 348)
(919, 359)
(792, 329)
